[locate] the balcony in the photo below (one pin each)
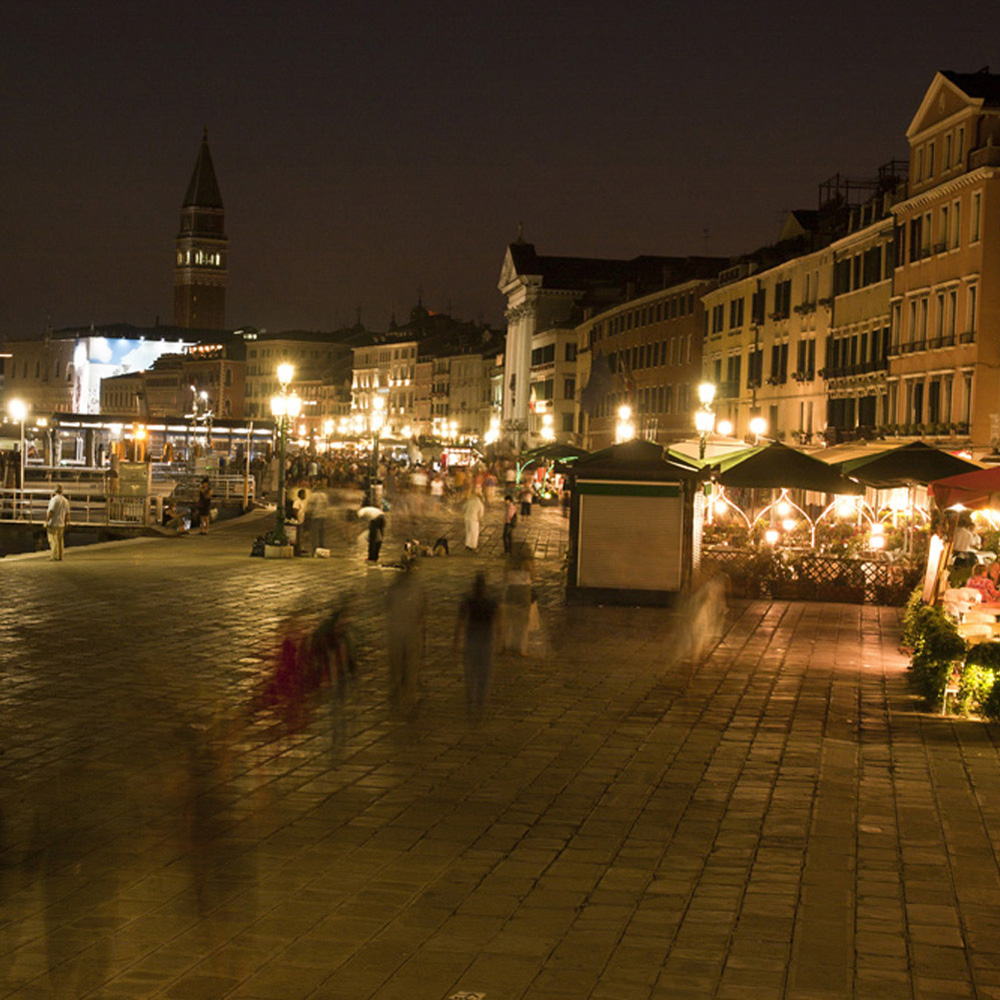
(859, 368)
(936, 343)
(987, 156)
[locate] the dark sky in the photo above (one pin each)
(365, 150)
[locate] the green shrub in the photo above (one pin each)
(937, 648)
(974, 686)
(985, 654)
(990, 705)
(910, 632)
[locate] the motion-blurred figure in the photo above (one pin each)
(703, 616)
(509, 523)
(477, 617)
(406, 609)
(473, 512)
(519, 576)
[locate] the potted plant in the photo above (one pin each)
(277, 546)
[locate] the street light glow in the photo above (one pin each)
(706, 393)
(286, 372)
(18, 410)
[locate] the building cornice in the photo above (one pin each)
(948, 188)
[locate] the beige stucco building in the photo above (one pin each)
(945, 354)
(648, 353)
(765, 339)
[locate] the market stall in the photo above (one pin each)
(634, 525)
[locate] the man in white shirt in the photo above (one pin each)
(56, 519)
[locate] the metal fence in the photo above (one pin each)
(29, 506)
(91, 504)
(813, 577)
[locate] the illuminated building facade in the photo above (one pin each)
(945, 349)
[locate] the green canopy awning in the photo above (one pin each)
(776, 466)
(906, 465)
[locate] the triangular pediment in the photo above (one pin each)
(942, 100)
(508, 272)
(519, 262)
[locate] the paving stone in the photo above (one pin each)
(779, 820)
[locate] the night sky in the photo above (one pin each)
(365, 150)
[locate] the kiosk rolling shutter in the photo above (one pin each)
(630, 535)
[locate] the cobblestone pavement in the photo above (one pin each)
(622, 823)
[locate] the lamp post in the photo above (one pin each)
(758, 428)
(376, 418)
(704, 417)
(18, 410)
(284, 406)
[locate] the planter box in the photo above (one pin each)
(279, 551)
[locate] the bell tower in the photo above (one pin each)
(202, 247)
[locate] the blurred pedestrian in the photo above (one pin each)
(510, 522)
(299, 505)
(473, 512)
(376, 535)
(527, 496)
(406, 609)
(314, 522)
(56, 519)
(518, 595)
(477, 617)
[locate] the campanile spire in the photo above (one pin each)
(202, 249)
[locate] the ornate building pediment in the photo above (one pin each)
(942, 100)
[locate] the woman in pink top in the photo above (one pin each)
(981, 582)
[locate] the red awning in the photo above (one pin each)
(974, 490)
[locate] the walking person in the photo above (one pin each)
(314, 523)
(56, 519)
(473, 513)
(509, 523)
(376, 534)
(527, 496)
(477, 617)
(519, 578)
(406, 610)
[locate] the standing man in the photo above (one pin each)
(56, 519)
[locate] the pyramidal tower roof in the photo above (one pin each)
(203, 191)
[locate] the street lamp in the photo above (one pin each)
(704, 418)
(758, 428)
(548, 434)
(624, 428)
(284, 407)
(18, 410)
